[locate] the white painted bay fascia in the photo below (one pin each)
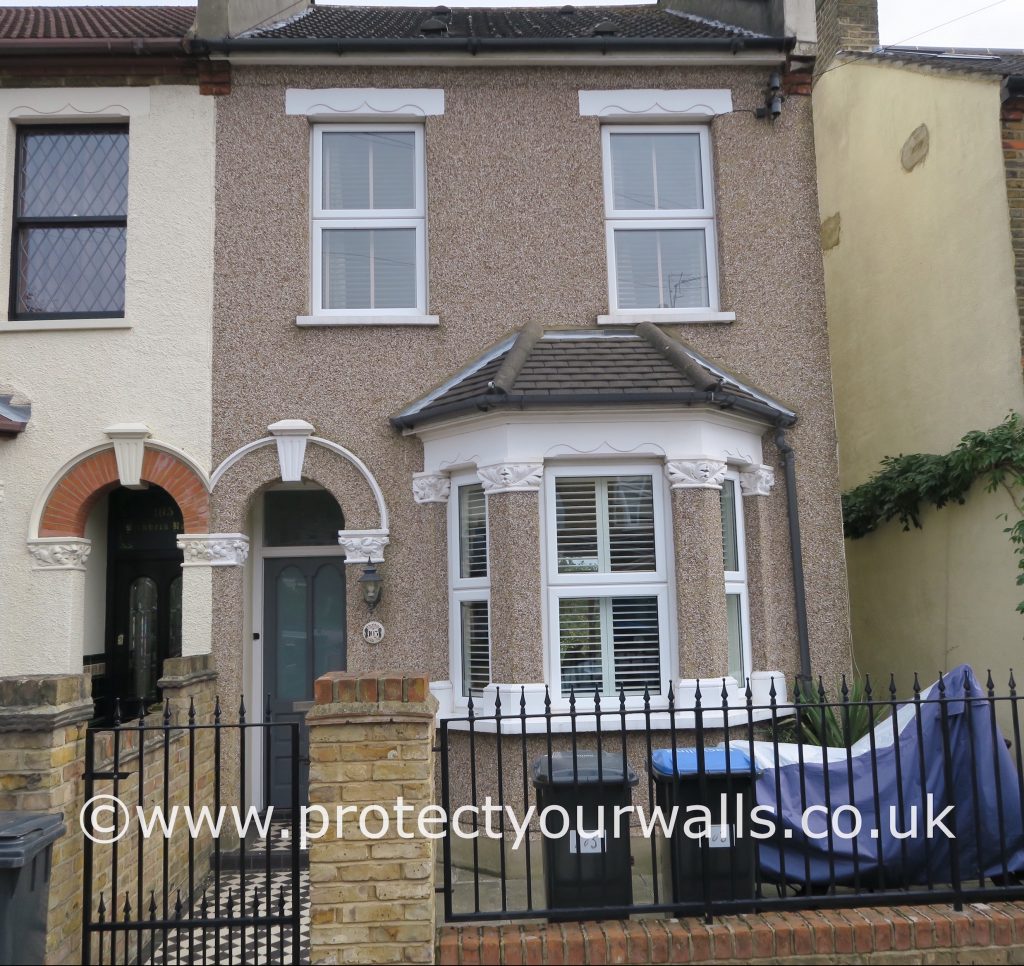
(377, 102)
(679, 105)
(667, 434)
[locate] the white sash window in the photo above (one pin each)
(608, 605)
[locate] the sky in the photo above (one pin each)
(924, 23)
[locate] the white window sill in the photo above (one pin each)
(611, 722)
(659, 316)
(335, 320)
(62, 325)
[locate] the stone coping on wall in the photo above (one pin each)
(981, 933)
(44, 702)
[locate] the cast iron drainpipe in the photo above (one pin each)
(796, 552)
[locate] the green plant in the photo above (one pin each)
(906, 483)
(826, 723)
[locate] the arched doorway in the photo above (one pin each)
(301, 594)
(143, 598)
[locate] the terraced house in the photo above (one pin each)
(533, 334)
(489, 344)
(528, 305)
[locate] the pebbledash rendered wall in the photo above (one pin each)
(515, 233)
(151, 367)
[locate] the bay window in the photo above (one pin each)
(736, 598)
(659, 208)
(369, 223)
(470, 586)
(607, 579)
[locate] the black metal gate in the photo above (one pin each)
(177, 868)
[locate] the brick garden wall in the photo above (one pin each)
(186, 683)
(934, 934)
(43, 722)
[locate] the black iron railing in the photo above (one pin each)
(805, 802)
(187, 895)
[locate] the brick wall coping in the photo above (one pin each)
(371, 695)
(181, 672)
(823, 936)
(44, 702)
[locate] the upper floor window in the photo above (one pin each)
(607, 580)
(736, 596)
(369, 235)
(470, 586)
(659, 206)
(70, 222)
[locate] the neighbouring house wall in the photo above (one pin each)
(516, 233)
(154, 370)
(925, 339)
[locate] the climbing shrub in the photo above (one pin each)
(907, 483)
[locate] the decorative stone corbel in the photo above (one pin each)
(129, 448)
(59, 553)
(511, 477)
(291, 436)
(694, 474)
(214, 549)
(757, 480)
(431, 487)
(362, 546)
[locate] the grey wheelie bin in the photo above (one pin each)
(26, 841)
(579, 870)
(725, 858)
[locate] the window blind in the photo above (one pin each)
(605, 525)
(653, 171)
(660, 268)
(369, 170)
(476, 646)
(369, 268)
(610, 643)
(472, 531)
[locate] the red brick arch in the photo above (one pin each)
(70, 501)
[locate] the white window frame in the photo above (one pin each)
(461, 588)
(324, 219)
(736, 582)
(644, 219)
(655, 583)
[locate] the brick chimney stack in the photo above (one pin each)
(845, 25)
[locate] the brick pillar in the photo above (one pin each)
(514, 563)
(42, 759)
(371, 740)
(700, 567)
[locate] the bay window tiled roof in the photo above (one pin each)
(537, 368)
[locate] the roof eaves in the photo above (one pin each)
(424, 401)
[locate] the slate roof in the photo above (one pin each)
(94, 23)
(572, 367)
(569, 22)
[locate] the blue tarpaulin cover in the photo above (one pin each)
(984, 788)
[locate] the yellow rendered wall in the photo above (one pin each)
(925, 346)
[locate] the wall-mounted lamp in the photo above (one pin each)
(772, 98)
(371, 582)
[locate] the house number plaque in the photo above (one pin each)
(373, 632)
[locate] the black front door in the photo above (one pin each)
(143, 626)
(303, 637)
